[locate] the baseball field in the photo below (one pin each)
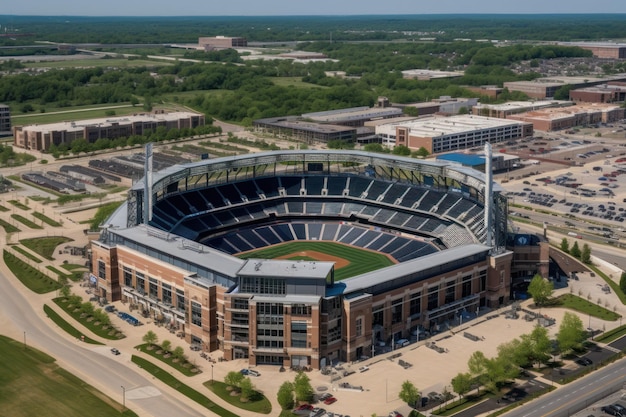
(349, 261)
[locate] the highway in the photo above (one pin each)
(577, 395)
(95, 365)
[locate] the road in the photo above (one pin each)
(95, 365)
(575, 396)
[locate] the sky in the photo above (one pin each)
(301, 7)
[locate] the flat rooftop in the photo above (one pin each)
(554, 113)
(76, 126)
(293, 122)
(286, 268)
(520, 105)
(355, 113)
(442, 126)
(424, 73)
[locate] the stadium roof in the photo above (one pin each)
(286, 268)
(403, 269)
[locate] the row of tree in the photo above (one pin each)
(152, 340)
(584, 254)
(528, 350)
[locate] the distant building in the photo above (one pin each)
(504, 110)
(542, 88)
(41, 137)
(445, 134)
(424, 74)
(221, 42)
(602, 49)
(492, 91)
(550, 119)
(303, 55)
(605, 93)
(5, 120)
(443, 104)
(306, 131)
(354, 116)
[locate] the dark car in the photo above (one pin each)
(115, 351)
(584, 361)
(610, 410)
(620, 408)
(330, 400)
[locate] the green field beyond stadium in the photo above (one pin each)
(349, 261)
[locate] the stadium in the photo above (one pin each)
(299, 258)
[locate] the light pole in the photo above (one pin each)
(211, 374)
(123, 398)
(24, 340)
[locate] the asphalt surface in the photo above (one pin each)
(576, 395)
(19, 320)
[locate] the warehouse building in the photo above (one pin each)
(42, 137)
(504, 110)
(605, 93)
(445, 134)
(543, 88)
(583, 114)
(221, 42)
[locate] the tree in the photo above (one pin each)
(571, 332)
(65, 291)
(302, 387)
(585, 255)
(150, 338)
(401, 150)
(87, 308)
(537, 345)
(540, 289)
(178, 353)
(565, 245)
(247, 389)
(421, 152)
(233, 379)
(166, 345)
(513, 352)
(285, 396)
(462, 383)
(622, 282)
(409, 394)
(575, 251)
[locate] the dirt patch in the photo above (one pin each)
(339, 262)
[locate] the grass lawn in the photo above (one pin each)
(19, 205)
(29, 276)
(295, 82)
(98, 62)
(26, 222)
(58, 272)
(186, 390)
(46, 219)
(8, 227)
(183, 367)
(45, 246)
(583, 306)
(72, 267)
(26, 254)
(262, 405)
(110, 333)
(612, 335)
(4, 209)
(360, 261)
(32, 384)
(75, 113)
(71, 330)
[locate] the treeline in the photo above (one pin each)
(160, 134)
(154, 30)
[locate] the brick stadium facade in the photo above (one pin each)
(180, 266)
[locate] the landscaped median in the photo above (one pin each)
(95, 321)
(258, 404)
(59, 321)
(33, 279)
(186, 390)
(181, 364)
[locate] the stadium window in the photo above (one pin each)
(415, 304)
(378, 316)
(102, 269)
(359, 327)
(396, 311)
(450, 292)
(128, 277)
(196, 313)
(483, 280)
(466, 287)
(433, 297)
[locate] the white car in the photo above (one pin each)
(364, 368)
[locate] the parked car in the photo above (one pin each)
(303, 410)
(364, 368)
(330, 400)
(317, 412)
(115, 351)
(584, 361)
(395, 414)
(611, 410)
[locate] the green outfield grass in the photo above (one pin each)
(360, 261)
